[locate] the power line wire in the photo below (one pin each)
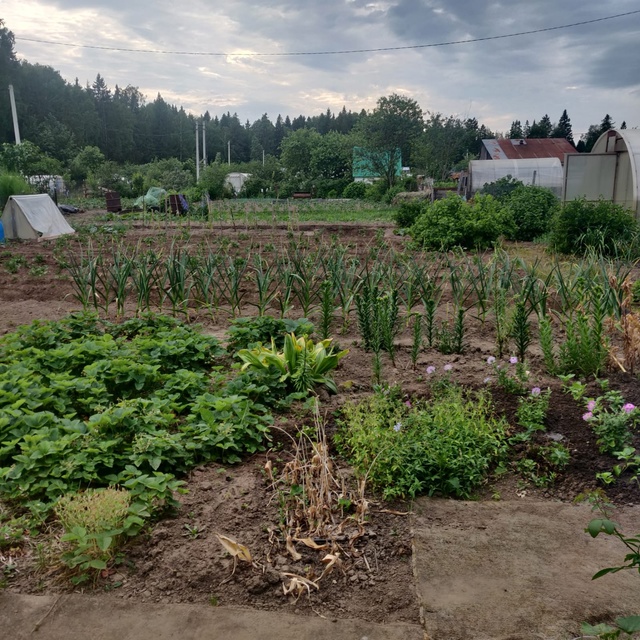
(329, 53)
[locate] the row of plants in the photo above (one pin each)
(98, 421)
(568, 307)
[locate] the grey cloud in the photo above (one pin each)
(618, 66)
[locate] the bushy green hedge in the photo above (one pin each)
(355, 190)
(603, 226)
(452, 222)
(532, 209)
(408, 212)
(11, 184)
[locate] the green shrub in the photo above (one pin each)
(579, 226)
(355, 191)
(453, 222)
(501, 189)
(12, 184)
(407, 213)
(487, 221)
(444, 446)
(376, 191)
(532, 210)
(391, 193)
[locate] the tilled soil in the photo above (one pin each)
(182, 560)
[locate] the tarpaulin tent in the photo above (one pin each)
(33, 218)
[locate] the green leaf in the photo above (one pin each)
(98, 564)
(604, 572)
(589, 630)
(594, 527)
(630, 624)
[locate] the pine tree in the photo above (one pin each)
(624, 124)
(606, 123)
(563, 128)
(516, 130)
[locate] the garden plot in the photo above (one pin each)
(427, 334)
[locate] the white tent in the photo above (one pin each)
(33, 218)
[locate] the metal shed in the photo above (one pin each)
(611, 171)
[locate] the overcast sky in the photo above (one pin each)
(590, 70)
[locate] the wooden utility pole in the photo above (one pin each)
(197, 151)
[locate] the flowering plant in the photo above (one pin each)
(611, 419)
(512, 377)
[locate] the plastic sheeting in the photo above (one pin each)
(154, 198)
(543, 172)
(33, 218)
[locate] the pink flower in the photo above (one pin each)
(535, 391)
(431, 369)
(448, 367)
(490, 360)
(628, 408)
(408, 403)
(591, 405)
(513, 360)
(587, 416)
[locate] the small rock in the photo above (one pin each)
(257, 585)
(272, 576)
(353, 579)
(206, 486)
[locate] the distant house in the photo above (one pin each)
(525, 149)
(367, 164)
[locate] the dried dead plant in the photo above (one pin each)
(318, 508)
(630, 329)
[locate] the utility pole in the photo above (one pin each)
(229, 152)
(14, 113)
(204, 143)
(197, 151)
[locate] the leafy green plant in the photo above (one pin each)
(520, 328)
(407, 213)
(581, 225)
(453, 222)
(611, 419)
(512, 376)
(443, 446)
(246, 333)
(93, 522)
(502, 188)
(532, 209)
(532, 410)
(302, 362)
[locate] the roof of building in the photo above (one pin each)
(523, 148)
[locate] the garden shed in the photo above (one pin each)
(611, 171)
(542, 172)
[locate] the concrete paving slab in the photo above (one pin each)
(517, 570)
(77, 617)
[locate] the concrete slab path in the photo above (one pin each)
(518, 570)
(77, 617)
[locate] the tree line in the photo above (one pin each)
(110, 134)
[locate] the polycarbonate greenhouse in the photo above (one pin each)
(611, 171)
(542, 172)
